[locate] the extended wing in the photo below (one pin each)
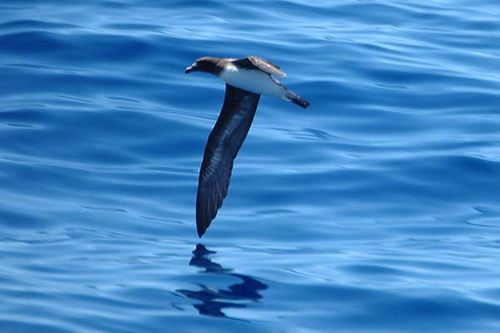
(253, 62)
(223, 145)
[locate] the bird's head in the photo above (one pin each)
(206, 64)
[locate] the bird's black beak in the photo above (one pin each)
(190, 69)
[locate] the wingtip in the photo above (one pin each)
(200, 228)
(202, 223)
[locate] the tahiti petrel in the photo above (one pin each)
(246, 79)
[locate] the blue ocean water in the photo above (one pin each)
(375, 210)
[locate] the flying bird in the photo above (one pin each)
(246, 79)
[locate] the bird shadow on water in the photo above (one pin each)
(215, 300)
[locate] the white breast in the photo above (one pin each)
(254, 81)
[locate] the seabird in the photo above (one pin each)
(246, 79)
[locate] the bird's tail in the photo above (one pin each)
(294, 98)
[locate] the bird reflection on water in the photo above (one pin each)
(214, 300)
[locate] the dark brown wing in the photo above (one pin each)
(223, 145)
(253, 62)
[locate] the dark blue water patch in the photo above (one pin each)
(85, 48)
(135, 26)
(439, 309)
(14, 219)
(35, 24)
(440, 313)
(375, 270)
(97, 134)
(15, 325)
(446, 177)
(32, 42)
(27, 117)
(112, 47)
(114, 4)
(375, 13)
